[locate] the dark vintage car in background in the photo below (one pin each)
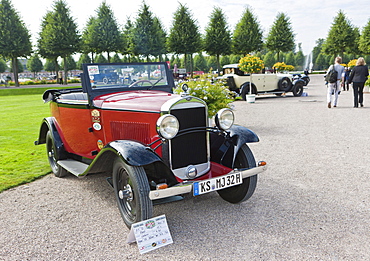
(261, 83)
(156, 145)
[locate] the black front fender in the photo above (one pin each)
(225, 147)
(134, 154)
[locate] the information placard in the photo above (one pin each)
(150, 234)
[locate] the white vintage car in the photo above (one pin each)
(261, 83)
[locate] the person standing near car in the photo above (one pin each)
(359, 76)
(335, 87)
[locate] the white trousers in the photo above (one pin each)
(333, 88)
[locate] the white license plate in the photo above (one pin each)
(209, 185)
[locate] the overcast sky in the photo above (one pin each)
(310, 19)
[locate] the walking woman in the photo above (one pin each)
(359, 76)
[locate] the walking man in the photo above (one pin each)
(335, 87)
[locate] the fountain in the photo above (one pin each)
(308, 63)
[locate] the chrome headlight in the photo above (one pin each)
(167, 126)
(224, 119)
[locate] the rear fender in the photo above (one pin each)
(225, 148)
(46, 125)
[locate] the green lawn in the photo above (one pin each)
(20, 119)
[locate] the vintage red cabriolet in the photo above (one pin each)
(155, 144)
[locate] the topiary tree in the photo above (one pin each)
(217, 40)
(14, 37)
(364, 45)
(251, 64)
(281, 36)
(34, 64)
(184, 37)
(341, 36)
(247, 36)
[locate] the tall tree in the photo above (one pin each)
(317, 49)
(89, 43)
(184, 37)
(340, 37)
(321, 62)
(299, 57)
(217, 40)
(200, 63)
(108, 37)
(148, 36)
(281, 36)
(364, 43)
(49, 54)
(159, 44)
(128, 49)
(289, 59)
(14, 36)
(34, 65)
(247, 35)
(59, 35)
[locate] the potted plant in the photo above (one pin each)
(251, 64)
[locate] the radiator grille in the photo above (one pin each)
(123, 130)
(189, 148)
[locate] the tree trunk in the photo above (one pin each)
(15, 71)
(65, 70)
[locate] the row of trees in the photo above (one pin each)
(143, 37)
(343, 39)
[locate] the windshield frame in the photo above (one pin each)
(121, 77)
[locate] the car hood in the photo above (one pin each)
(134, 100)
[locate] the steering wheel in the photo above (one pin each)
(141, 81)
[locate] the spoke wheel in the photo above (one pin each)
(242, 192)
(53, 157)
(131, 189)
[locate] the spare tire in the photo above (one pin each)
(285, 84)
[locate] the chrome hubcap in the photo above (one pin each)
(126, 193)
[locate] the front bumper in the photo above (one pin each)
(187, 187)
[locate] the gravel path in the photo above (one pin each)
(313, 203)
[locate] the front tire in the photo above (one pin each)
(242, 192)
(131, 189)
(298, 89)
(53, 157)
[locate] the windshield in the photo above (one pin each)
(142, 76)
